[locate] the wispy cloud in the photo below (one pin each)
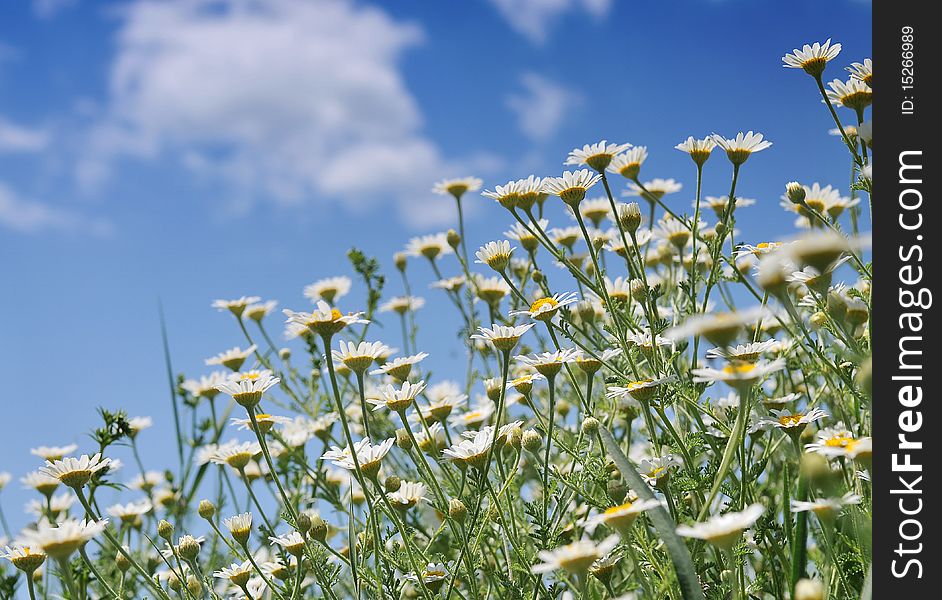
(541, 106)
(29, 216)
(534, 19)
(19, 138)
(282, 99)
(47, 9)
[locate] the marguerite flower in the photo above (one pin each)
(654, 189)
(741, 147)
(471, 451)
(205, 386)
(620, 518)
(236, 454)
(368, 456)
(430, 246)
(247, 388)
(75, 472)
(52, 453)
(24, 558)
(131, 513)
(862, 71)
(548, 364)
(400, 368)
(39, 481)
(544, 309)
(793, 423)
(236, 573)
(293, 543)
(260, 310)
(628, 164)
(402, 304)
(265, 422)
(744, 353)
(233, 358)
(826, 509)
(505, 195)
(642, 390)
(324, 320)
(853, 93)
(457, 187)
(572, 186)
(655, 470)
(359, 357)
(699, 150)
(408, 495)
(503, 337)
(812, 59)
(596, 156)
(330, 289)
(60, 541)
(237, 306)
(723, 531)
(496, 255)
(433, 576)
(574, 558)
(239, 526)
(397, 400)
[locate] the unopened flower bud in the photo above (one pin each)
(193, 586)
(318, 531)
(629, 216)
(638, 290)
(403, 440)
(206, 509)
(284, 353)
(188, 547)
(457, 510)
(795, 192)
(122, 562)
(400, 260)
(165, 529)
(453, 239)
(392, 484)
(531, 440)
(537, 276)
(818, 320)
(809, 589)
(590, 426)
(303, 523)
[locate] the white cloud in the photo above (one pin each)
(280, 98)
(535, 18)
(542, 106)
(47, 9)
(17, 138)
(29, 216)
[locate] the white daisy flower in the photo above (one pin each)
(628, 163)
(236, 573)
(503, 337)
(265, 422)
(506, 195)
(239, 526)
(642, 390)
(496, 255)
(739, 374)
(232, 358)
(402, 304)
(359, 357)
(471, 451)
(247, 388)
(812, 59)
(260, 310)
(400, 368)
(75, 472)
(544, 309)
(39, 481)
(293, 543)
(205, 386)
(330, 289)
(655, 469)
(457, 187)
(744, 352)
(720, 328)
(827, 509)
(574, 558)
(572, 186)
(548, 364)
(525, 236)
(51, 453)
(853, 93)
(236, 454)
(430, 246)
(131, 513)
(60, 541)
(397, 400)
(699, 150)
(793, 422)
(596, 156)
(236, 306)
(408, 495)
(741, 147)
(369, 456)
(491, 289)
(620, 518)
(862, 71)
(723, 531)
(451, 284)
(433, 576)
(654, 189)
(24, 558)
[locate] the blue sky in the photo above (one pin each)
(191, 150)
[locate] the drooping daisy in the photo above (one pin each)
(628, 163)
(237, 306)
(744, 353)
(330, 289)
(408, 495)
(699, 150)
(853, 93)
(655, 470)
(620, 518)
(400, 368)
(544, 309)
(232, 359)
(826, 509)
(793, 423)
(496, 255)
(574, 558)
(457, 187)
(236, 573)
(293, 543)
(471, 451)
(654, 189)
(862, 71)
(369, 457)
(247, 388)
(131, 513)
(239, 526)
(24, 558)
(75, 472)
(572, 186)
(52, 453)
(503, 337)
(813, 58)
(548, 364)
(397, 399)
(741, 147)
(739, 375)
(260, 310)
(505, 195)
(236, 454)
(430, 246)
(642, 390)
(324, 320)
(723, 531)
(60, 541)
(596, 156)
(433, 576)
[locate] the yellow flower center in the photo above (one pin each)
(739, 369)
(839, 442)
(790, 420)
(617, 509)
(543, 302)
